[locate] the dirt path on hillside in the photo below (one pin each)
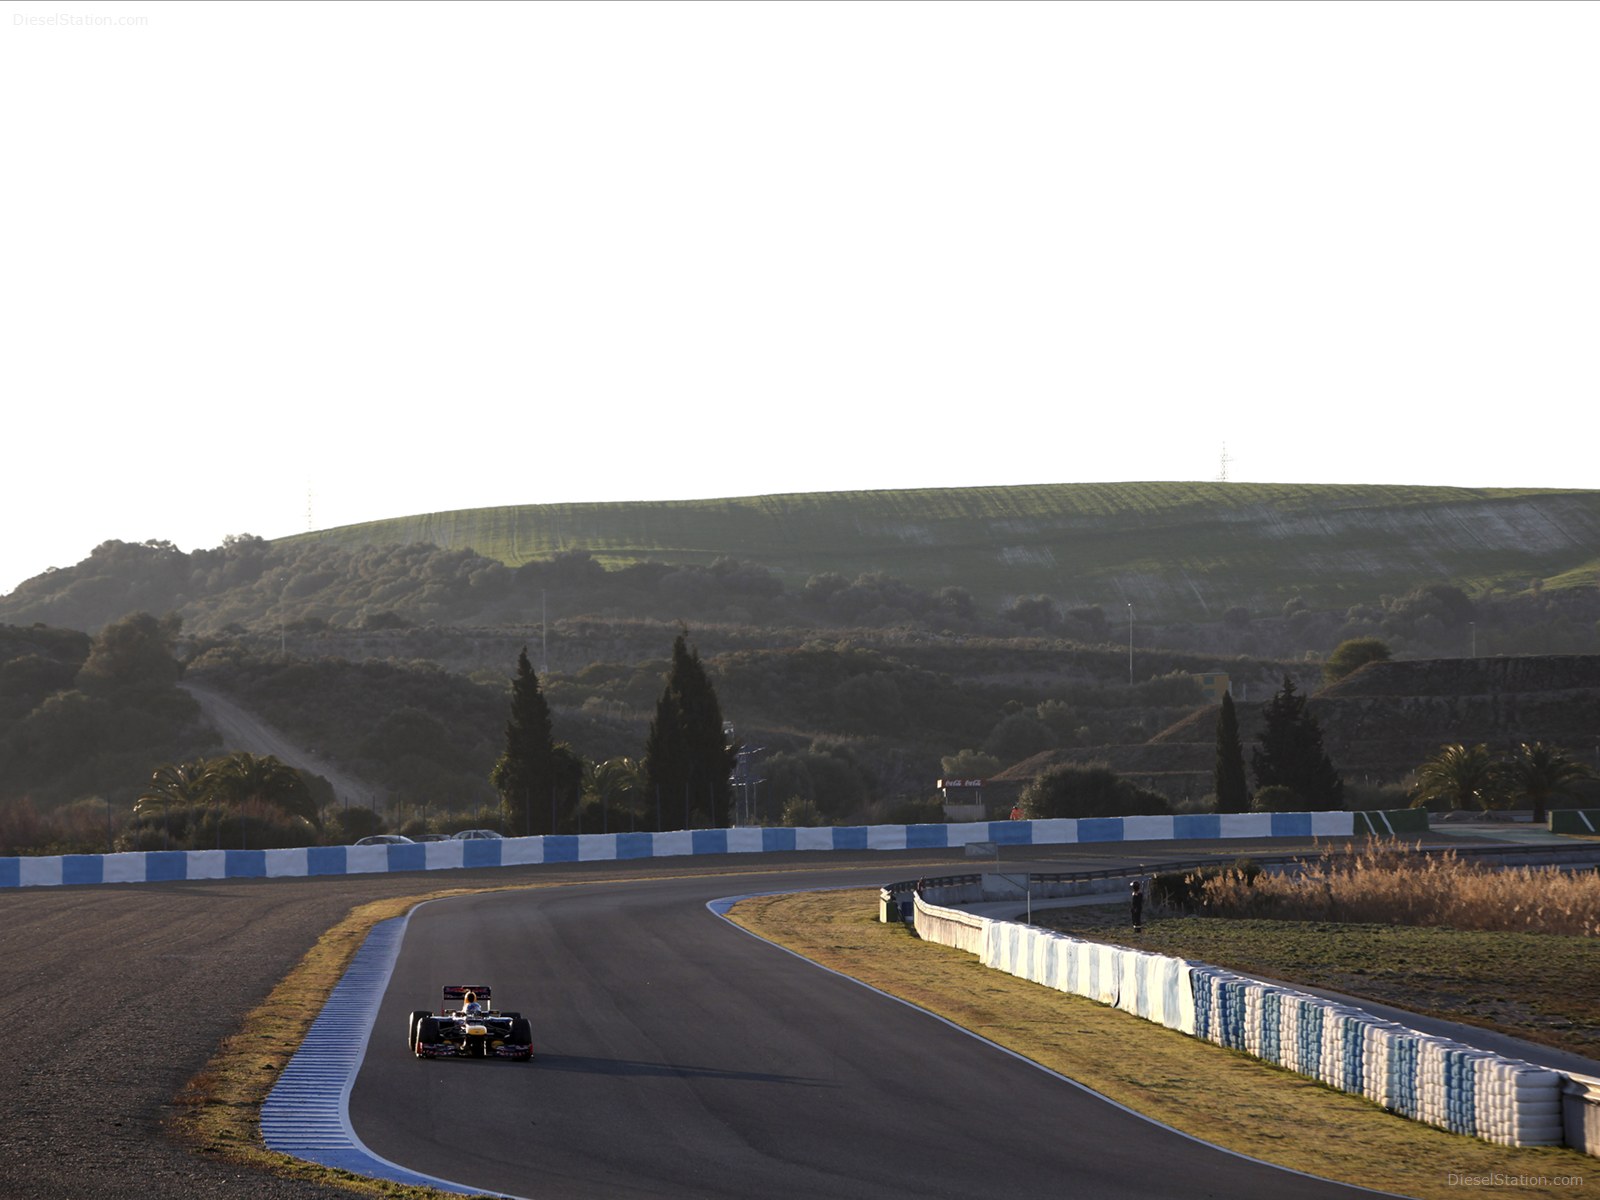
(243, 730)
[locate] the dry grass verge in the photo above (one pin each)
(1386, 883)
(1269, 1113)
(1540, 987)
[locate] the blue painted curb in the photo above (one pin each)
(307, 1113)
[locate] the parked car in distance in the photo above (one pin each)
(472, 835)
(385, 839)
(432, 837)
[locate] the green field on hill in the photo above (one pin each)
(1187, 550)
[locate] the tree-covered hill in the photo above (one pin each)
(1179, 550)
(1176, 552)
(85, 718)
(862, 641)
(1383, 720)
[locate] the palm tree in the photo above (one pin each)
(174, 783)
(242, 777)
(1463, 776)
(182, 784)
(619, 785)
(1540, 772)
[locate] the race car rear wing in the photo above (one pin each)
(455, 996)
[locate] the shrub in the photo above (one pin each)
(969, 764)
(1275, 798)
(1018, 736)
(1351, 655)
(826, 775)
(352, 824)
(21, 828)
(251, 825)
(797, 811)
(1375, 797)
(1087, 790)
(1190, 891)
(914, 812)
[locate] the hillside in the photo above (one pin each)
(1222, 569)
(859, 639)
(1177, 551)
(1384, 719)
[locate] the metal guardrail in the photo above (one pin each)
(893, 891)
(1162, 866)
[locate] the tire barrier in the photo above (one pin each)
(167, 866)
(1426, 1078)
(952, 927)
(1153, 986)
(1429, 1079)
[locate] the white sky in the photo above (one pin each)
(413, 257)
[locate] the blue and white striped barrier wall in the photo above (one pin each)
(165, 866)
(1426, 1078)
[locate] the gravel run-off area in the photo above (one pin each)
(115, 996)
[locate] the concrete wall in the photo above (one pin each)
(160, 866)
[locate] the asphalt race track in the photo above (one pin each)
(680, 1057)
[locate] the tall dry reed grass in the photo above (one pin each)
(1386, 883)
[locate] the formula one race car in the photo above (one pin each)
(466, 1026)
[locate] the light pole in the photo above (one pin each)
(1130, 643)
(744, 779)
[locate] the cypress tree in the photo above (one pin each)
(1228, 778)
(665, 766)
(1291, 754)
(524, 774)
(687, 760)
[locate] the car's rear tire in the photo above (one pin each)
(411, 1027)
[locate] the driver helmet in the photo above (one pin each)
(473, 1008)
